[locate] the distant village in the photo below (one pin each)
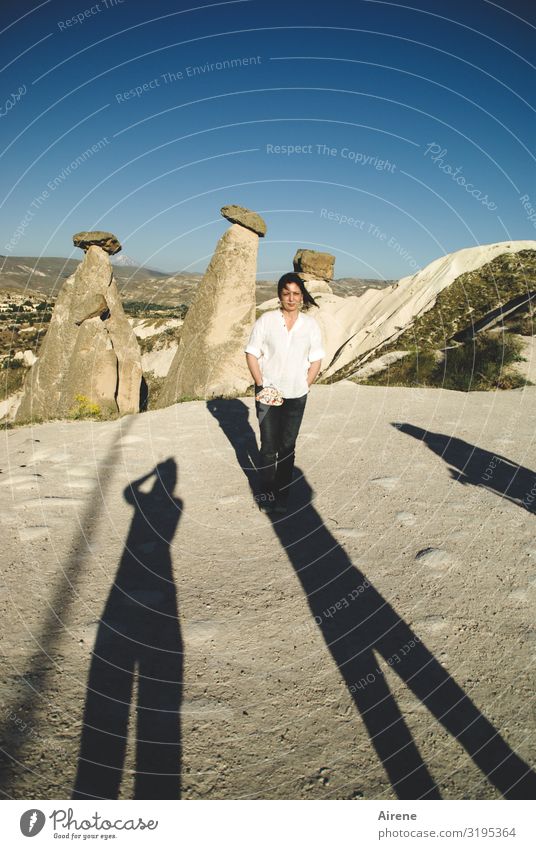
(24, 320)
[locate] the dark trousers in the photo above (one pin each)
(279, 427)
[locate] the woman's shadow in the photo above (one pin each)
(471, 465)
(139, 637)
(357, 624)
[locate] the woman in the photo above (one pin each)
(285, 352)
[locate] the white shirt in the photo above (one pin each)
(285, 355)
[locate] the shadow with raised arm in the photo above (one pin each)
(138, 643)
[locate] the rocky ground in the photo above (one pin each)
(377, 642)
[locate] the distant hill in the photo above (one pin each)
(346, 286)
(343, 287)
(46, 275)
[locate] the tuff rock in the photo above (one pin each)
(89, 350)
(210, 359)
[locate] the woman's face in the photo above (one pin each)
(291, 297)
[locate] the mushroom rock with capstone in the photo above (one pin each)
(210, 360)
(89, 349)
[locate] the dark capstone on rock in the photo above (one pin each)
(245, 217)
(107, 241)
(314, 262)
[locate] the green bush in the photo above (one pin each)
(416, 369)
(147, 343)
(141, 309)
(481, 364)
(154, 387)
(524, 326)
(172, 333)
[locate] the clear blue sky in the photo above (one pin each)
(392, 105)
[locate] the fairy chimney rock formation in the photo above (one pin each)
(210, 361)
(89, 350)
(318, 264)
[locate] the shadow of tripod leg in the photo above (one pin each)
(451, 706)
(104, 735)
(158, 746)
(389, 734)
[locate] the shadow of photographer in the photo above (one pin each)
(138, 640)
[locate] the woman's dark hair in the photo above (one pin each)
(292, 277)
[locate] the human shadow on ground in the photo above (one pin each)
(469, 464)
(35, 685)
(138, 639)
(357, 624)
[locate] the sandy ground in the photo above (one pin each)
(378, 642)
